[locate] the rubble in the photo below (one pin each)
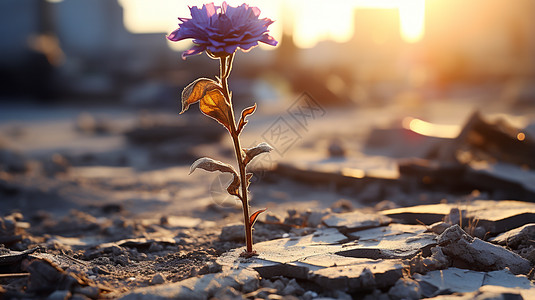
(473, 253)
(202, 287)
(495, 216)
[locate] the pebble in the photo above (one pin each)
(157, 279)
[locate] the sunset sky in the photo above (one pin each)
(310, 21)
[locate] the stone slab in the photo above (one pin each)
(365, 275)
(286, 256)
(202, 287)
(455, 280)
(495, 216)
(393, 241)
(355, 220)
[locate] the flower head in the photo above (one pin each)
(221, 30)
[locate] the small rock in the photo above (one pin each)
(439, 227)
(478, 231)
(342, 206)
(250, 285)
(454, 217)
(59, 295)
(272, 218)
(314, 218)
(157, 279)
(336, 148)
(309, 295)
(279, 285)
(293, 288)
(155, 247)
(405, 288)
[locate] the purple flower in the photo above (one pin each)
(223, 29)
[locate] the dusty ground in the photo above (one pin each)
(110, 204)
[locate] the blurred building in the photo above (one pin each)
(78, 47)
(480, 39)
(81, 48)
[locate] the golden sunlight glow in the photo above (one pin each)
(310, 21)
(521, 136)
(161, 16)
(430, 129)
(412, 19)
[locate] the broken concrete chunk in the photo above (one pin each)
(513, 238)
(393, 241)
(454, 280)
(202, 287)
(507, 279)
(495, 216)
(497, 139)
(363, 276)
(46, 278)
(473, 253)
(353, 221)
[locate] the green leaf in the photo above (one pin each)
(245, 113)
(196, 90)
(252, 152)
(254, 216)
(212, 165)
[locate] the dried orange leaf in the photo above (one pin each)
(213, 104)
(254, 216)
(252, 152)
(234, 187)
(245, 113)
(196, 90)
(212, 165)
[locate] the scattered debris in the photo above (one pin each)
(473, 253)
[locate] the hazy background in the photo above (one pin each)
(343, 53)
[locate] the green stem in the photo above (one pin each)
(226, 66)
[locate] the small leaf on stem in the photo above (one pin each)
(214, 105)
(245, 113)
(252, 152)
(254, 216)
(234, 187)
(196, 90)
(212, 165)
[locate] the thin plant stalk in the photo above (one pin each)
(226, 67)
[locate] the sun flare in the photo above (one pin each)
(310, 21)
